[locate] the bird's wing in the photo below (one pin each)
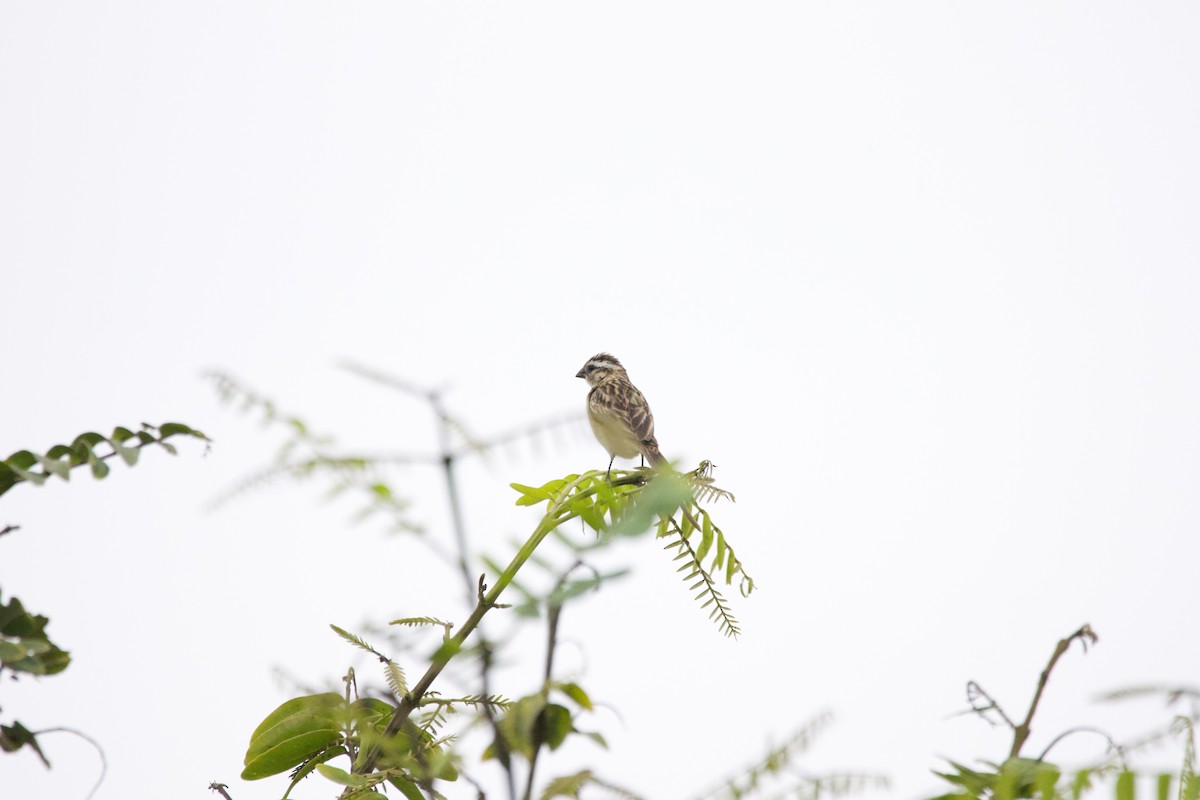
(622, 403)
(641, 421)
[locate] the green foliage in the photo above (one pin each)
(305, 732)
(297, 731)
(631, 502)
(777, 774)
(573, 785)
(24, 645)
(14, 737)
(306, 455)
(393, 674)
(91, 449)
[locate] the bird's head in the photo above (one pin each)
(598, 368)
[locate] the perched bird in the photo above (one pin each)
(618, 412)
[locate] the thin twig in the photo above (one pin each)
(1021, 732)
(10, 529)
(553, 613)
(93, 743)
(220, 788)
(974, 692)
(1112, 745)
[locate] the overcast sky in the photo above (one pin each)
(920, 278)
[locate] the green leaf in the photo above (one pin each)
(1163, 786)
(1082, 782)
(598, 738)
(576, 693)
(554, 724)
(567, 785)
(530, 496)
(1046, 780)
(706, 539)
(14, 737)
(518, 725)
(308, 766)
(1125, 786)
(292, 733)
(54, 466)
(662, 497)
(179, 429)
(407, 788)
(288, 753)
(344, 778)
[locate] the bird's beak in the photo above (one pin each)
(579, 374)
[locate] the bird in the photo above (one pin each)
(618, 412)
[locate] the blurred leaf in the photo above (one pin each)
(554, 724)
(14, 737)
(576, 693)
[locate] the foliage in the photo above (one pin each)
(92, 449)
(608, 508)
(1020, 776)
(774, 775)
(307, 732)
(25, 646)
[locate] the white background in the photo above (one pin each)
(921, 278)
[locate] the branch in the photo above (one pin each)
(1021, 732)
(486, 603)
(553, 613)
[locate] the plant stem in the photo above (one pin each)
(485, 603)
(1021, 732)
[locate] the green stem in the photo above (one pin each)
(486, 603)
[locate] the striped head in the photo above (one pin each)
(599, 368)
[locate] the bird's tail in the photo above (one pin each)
(652, 453)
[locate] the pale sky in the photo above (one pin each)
(920, 278)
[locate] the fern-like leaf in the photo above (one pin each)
(777, 765)
(572, 785)
(395, 679)
(704, 586)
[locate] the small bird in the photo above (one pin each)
(618, 412)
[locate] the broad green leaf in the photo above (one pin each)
(292, 733)
(288, 753)
(555, 724)
(518, 724)
(21, 460)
